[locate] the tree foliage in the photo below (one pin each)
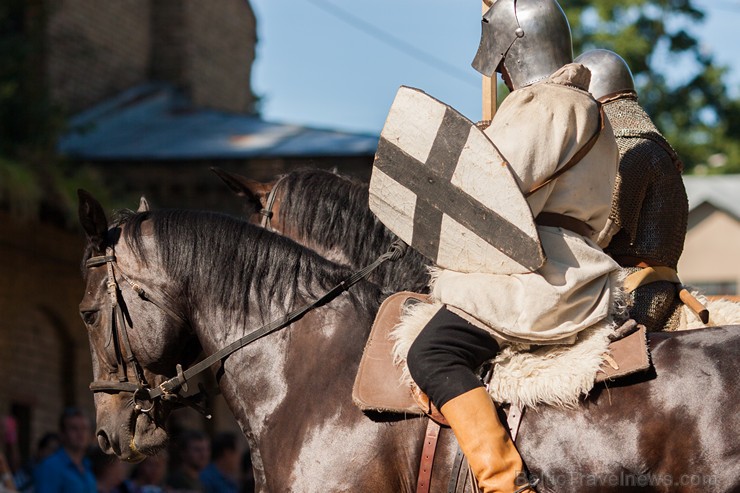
(34, 181)
(689, 101)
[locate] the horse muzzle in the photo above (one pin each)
(131, 435)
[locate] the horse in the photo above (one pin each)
(328, 212)
(188, 281)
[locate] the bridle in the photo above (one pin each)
(171, 390)
(118, 331)
(266, 211)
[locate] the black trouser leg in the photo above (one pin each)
(443, 358)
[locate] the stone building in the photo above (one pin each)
(156, 91)
(98, 49)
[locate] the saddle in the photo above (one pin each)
(379, 384)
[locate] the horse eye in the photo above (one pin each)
(89, 316)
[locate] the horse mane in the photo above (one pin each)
(235, 262)
(332, 210)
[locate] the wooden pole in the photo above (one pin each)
(489, 84)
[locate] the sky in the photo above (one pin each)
(338, 64)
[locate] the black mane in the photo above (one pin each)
(234, 261)
(333, 211)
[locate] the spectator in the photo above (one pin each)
(194, 454)
(68, 470)
(9, 454)
(47, 445)
(148, 475)
(7, 484)
(221, 475)
(109, 472)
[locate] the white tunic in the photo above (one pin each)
(537, 129)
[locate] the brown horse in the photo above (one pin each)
(328, 212)
(188, 281)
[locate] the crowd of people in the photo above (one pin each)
(70, 462)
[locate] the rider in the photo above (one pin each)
(548, 123)
(649, 204)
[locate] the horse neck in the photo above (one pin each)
(292, 380)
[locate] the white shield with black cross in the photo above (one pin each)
(440, 184)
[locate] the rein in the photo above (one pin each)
(170, 389)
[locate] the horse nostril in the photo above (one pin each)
(103, 442)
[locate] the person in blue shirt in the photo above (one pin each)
(221, 475)
(68, 469)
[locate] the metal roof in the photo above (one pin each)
(722, 191)
(153, 122)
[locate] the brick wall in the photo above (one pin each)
(207, 49)
(44, 355)
(96, 49)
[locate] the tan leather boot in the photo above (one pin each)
(492, 456)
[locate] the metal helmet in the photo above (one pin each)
(530, 37)
(610, 74)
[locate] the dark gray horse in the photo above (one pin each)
(676, 430)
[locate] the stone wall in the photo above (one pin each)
(95, 49)
(44, 355)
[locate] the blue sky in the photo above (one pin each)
(316, 69)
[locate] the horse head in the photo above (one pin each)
(137, 332)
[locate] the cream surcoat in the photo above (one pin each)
(537, 129)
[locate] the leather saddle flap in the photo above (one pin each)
(626, 356)
(378, 385)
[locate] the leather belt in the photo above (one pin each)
(555, 220)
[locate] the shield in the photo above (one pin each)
(440, 184)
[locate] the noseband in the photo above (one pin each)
(171, 389)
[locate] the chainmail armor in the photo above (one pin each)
(649, 205)
(655, 305)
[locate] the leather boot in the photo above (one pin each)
(492, 456)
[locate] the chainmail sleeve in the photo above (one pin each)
(630, 188)
(649, 202)
(651, 207)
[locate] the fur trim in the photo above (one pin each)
(557, 375)
(551, 375)
(721, 312)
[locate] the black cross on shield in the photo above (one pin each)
(435, 194)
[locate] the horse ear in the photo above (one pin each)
(93, 220)
(143, 205)
(251, 190)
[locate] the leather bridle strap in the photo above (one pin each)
(118, 331)
(267, 211)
